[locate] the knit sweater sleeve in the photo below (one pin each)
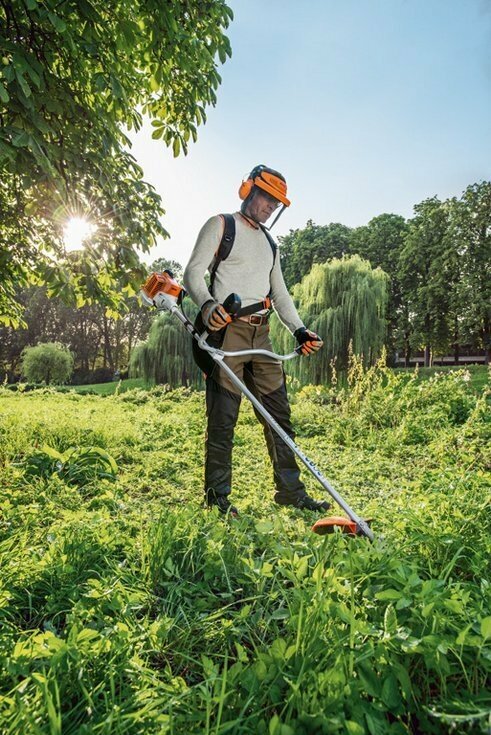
(206, 246)
(282, 301)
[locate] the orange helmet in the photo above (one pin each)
(268, 180)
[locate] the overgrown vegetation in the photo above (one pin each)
(128, 609)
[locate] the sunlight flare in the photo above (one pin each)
(76, 231)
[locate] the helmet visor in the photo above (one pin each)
(273, 185)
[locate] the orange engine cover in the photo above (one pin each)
(161, 283)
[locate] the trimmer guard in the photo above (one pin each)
(328, 525)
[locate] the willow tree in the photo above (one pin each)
(345, 302)
(166, 356)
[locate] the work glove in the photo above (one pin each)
(214, 316)
(309, 341)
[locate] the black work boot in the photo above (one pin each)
(303, 502)
(221, 502)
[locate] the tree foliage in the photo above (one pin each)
(423, 275)
(438, 263)
(166, 356)
(470, 222)
(344, 301)
(301, 248)
(381, 242)
(100, 343)
(74, 78)
(48, 363)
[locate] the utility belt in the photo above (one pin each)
(257, 320)
(215, 339)
(249, 313)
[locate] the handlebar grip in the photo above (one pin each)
(232, 304)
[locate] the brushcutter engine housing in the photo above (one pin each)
(162, 291)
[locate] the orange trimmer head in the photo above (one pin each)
(329, 525)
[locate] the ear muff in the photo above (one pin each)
(245, 188)
(266, 179)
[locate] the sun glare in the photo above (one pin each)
(76, 231)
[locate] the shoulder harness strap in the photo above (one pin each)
(223, 251)
(274, 248)
(226, 245)
(272, 243)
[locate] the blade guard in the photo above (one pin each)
(345, 525)
(161, 290)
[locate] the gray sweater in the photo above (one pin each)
(248, 270)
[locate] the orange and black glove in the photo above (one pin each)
(308, 341)
(214, 316)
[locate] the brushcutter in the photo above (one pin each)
(165, 294)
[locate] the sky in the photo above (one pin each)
(365, 106)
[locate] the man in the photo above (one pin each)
(241, 257)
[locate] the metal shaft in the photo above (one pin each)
(218, 356)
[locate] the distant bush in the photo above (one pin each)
(102, 375)
(48, 363)
(90, 377)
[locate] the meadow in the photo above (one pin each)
(127, 608)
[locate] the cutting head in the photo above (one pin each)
(345, 525)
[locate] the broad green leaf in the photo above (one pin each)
(57, 22)
(278, 649)
(274, 725)
(404, 679)
(353, 728)
(390, 620)
(390, 594)
(390, 692)
(51, 452)
(264, 526)
(369, 680)
(302, 567)
(22, 83)
(486, 627)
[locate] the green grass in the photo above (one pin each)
(125, 608)
(480, 375)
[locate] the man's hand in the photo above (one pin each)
(214, 316)
(309, 341)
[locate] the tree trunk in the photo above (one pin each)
(117, 344)
(486, 340)
(427, 333)
(108, 358)
(456, 345)
(85, 355)
(407, 354)
(96, 354)
(407, 335)
(427, 355)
